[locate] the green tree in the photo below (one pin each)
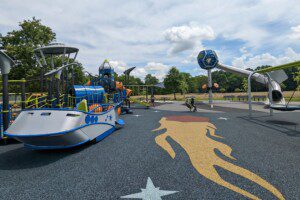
(172, 81)
(245, 84)
(188, 80)
(150, 80)
(183, 86)
(20, 44)
(297, 79)
(197, 83)
(1, 42)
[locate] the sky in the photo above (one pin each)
(156, 35)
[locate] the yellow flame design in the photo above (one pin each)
(192, 137)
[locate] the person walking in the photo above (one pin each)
(193, 104)
(152, 100)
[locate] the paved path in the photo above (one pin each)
(179, 106)
(136, 157)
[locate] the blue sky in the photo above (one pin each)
(155, 35)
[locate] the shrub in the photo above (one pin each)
(222, 90)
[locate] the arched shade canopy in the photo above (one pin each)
(5, 63)
(56, 49)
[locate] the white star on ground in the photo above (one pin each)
(156, 111)
(223, 118)
(149, 193)
(136, 115)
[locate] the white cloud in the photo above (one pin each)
(249, 61)
(187, 36)
(192, 58)
(159, 70)
(119, 66)
(139, 72)
(153, 66)
(145, 31)
(295, 32)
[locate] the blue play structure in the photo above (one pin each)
(62, 120)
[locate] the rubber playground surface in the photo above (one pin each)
(167, 152)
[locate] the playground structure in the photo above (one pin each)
(5, 63)
(69, 115)
(278, 73)
(208, 59)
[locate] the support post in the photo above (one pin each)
(210, 101)
(249, 94)
(146, 93)
(270, 93)
(23, 93)
(42, 79)
(57, 92)
(5, 108)
(152, 91)
(73, 76)
(67, 84)
(5, 64)
(50, 82)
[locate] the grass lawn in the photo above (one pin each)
(218, 96)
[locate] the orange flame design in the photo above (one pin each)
(191, 134)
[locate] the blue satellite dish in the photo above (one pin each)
(207, 59)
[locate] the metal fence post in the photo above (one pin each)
(23, 93)
(5, 101)
(249, 94)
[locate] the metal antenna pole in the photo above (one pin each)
(50, 91)
(209, 87)
(270, 93)
(73, 76)
(5, 108)
(249, 94)
(42, 79)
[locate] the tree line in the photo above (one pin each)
(20, 44)
(182, 82)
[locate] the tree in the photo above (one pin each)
(1, 42)
(188, 80)
(245, 84)
(172, 81)
(150, 80)
(197, 83)
(20, 44)
(297, 79)
(183, 86)
(291, 83)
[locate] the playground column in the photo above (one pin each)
(73, 76)
(270, 93)
(5, 101)
(209, 86)
(67, 85)
(57, 92)
(5, 63)
(42, 79)
(249, 93)
(50, 81)
(152, 91)
(23, 93)
(146, 93)
(208, 59)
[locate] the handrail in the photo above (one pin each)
(16, 81)
(279, 67)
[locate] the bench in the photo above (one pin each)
(165, 99)
(242, 97)
(259, 97)
(228, 97)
